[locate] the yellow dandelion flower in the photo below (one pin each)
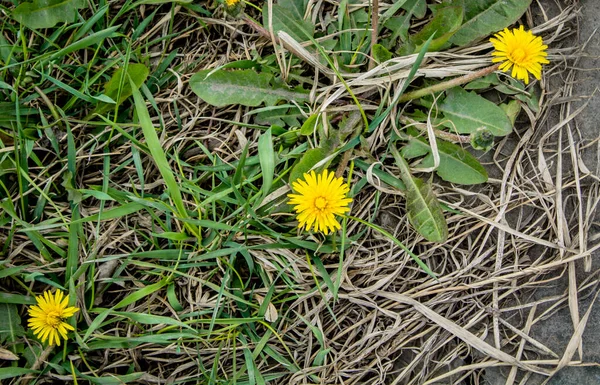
(319, 199)
(231, 3)
(521, 50)
(47, 317)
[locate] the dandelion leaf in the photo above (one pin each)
(10, 323)
(246, 87)
(467, 112)
(424, 211)
(47, 13)
(118, 88)
(483, 17)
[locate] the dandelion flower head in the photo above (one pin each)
(47, 318)
(318, 199)
(231, 3)
(521, 50)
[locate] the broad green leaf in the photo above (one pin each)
(288, 16)
(138, 74)
(308, 160)
(445, 22)
(468, 111)
(423, 209)
(10, 323)
(414, 149)
(6, 54)
(47, 13)
(416, 7)
(245, 87)
(483, 17)
(391, 11)
(457, 165)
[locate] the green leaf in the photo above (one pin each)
(47, 13)
(266, 155)
(311, 125)
(445, 22)
(9, 115)
(381, 54)
(288, 16)
(286, 115)
(151, 319)
(484, 82)
(512, 110)
(399, 24)
(414, 149)
(94, 38)
(138, 74)
(308, 160)
(10, 323)
(245, 87)
(483, 17)
(424, 211)
(457, 165)
(14, 372)
(468, 112)
(158, 154)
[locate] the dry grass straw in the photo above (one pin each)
(392, 324)
(396, 326)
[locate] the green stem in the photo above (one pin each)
(448, 84)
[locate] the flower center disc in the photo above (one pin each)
(518, 55)
(53, 319)
(320, 203)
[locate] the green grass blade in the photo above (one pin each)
(158, 154)
(266, 155)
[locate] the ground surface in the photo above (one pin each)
(556, 330)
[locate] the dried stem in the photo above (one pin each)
(448, 84)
